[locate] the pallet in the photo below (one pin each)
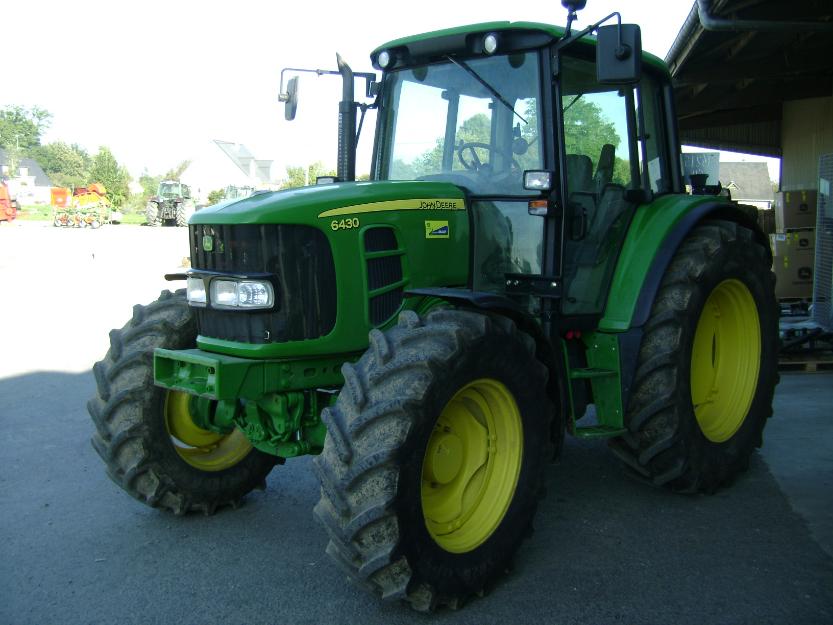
(806, 363)
(794, 306)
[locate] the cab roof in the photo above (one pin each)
(467, 40)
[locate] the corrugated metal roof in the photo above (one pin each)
(731, 82)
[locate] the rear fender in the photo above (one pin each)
(656, 232)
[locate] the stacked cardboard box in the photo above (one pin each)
(795, 209)
(794, 244)
(793, 256)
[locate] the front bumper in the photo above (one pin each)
(221, 377)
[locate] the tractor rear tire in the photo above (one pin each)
(181, 215)
(452, 405)
(152, 217)
(136, 422)
(707, 367)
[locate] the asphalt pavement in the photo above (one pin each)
(607, 548)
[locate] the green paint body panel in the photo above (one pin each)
(650, 226)
(426, 262)
(603, 371)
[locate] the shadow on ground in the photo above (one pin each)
(607, 549)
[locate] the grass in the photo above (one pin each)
(37, 212)
(133, 218)
(43, 212)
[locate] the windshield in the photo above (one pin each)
(473, 123)
(169, 188)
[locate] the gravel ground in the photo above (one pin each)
(606, 549)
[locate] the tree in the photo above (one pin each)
(149, 183)
(299, 176)
(587, 130)
(216, 196)
(66, 165)
(476, 129)
(176, 172)
(115, 178)
(21, 128)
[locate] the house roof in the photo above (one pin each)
(41, 179)
(258, 170)
(747, 181)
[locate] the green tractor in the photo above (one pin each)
(523, 262)
(172, 204)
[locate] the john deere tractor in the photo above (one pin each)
(172, 204)
(523, 262)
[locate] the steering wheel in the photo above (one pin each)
(474, 164)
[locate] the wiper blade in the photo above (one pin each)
(464, 66)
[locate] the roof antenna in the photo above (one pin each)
(572, 7)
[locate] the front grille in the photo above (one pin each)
(298, 256)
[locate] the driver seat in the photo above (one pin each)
(604, 169)
(579, 173)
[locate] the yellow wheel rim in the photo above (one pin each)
(202, 449)
(471, 465)
(725, 360)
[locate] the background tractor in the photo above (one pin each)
(523, 262)
(172, 204)
(233, 192)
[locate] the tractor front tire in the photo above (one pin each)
(432, 467)
(151, 447)
(707, 367)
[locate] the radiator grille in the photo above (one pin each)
(383, 271)
(299, 257)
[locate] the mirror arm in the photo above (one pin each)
(284, 96)
(573, 38)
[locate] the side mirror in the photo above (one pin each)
(290, 98)
(619, 54)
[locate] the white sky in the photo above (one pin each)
(155, 81)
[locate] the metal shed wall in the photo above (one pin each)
(807, 133)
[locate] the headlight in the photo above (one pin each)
(195, 292)
(490, 43)
(241, 294)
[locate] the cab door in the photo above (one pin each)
(609, 168)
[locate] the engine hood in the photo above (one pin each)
(306, 204)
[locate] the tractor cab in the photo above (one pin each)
(530, 123)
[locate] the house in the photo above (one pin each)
(219, 164)
(748, 183)
(29, 184)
